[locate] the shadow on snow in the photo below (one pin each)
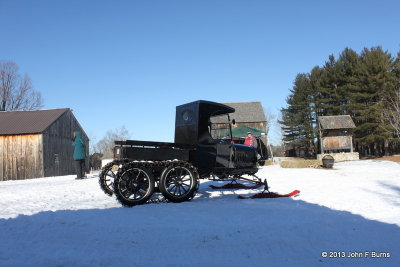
(217, 232)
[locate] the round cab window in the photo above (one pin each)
(187, 116)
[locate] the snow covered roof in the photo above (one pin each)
(28, 122)
(244, 112)
(336, 122)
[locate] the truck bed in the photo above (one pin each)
(149, 150)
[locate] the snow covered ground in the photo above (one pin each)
(351, 212)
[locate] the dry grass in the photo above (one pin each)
(268, 163)
(304, 163)
(395, 158)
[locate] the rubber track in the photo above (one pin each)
(151, 164)
(103, 173)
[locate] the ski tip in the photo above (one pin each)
(294, 193)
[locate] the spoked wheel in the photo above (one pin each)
(107, 177)
(134, 186)
(178, 183)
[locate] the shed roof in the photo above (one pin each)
(336, 122)
(244, 112)
(28, 122)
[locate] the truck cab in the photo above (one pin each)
(219, 156)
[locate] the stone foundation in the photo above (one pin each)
(341, 156)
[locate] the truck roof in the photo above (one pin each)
(214, 108)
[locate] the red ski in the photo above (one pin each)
(271, 195)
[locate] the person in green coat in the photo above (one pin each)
(79, 154)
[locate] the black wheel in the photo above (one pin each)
(134, 185)
(107, 177)
(178, 183)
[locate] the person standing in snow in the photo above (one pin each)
(250, 140)
(79, 154)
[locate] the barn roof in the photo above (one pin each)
(244, 112)
(28, 122)
(336, 122)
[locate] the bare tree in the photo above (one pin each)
(93, 143)
(275, 132)
(270, 117)
(105, 145)
(391, 113)
(16, 91)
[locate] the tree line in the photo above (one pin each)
(364, 85)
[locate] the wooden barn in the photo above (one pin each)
(336, 137)
(247, 114)
(37, 143)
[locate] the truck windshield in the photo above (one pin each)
(219, 127)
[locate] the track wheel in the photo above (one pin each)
(134, 186)
(178, 183)
(107, 176)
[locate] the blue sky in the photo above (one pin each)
(129, 63)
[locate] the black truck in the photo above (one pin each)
(142, 167)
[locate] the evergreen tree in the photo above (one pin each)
(375, 80)
(317, 100)
(298, 119)
(390, 108)
(329, 96)
(349, 69)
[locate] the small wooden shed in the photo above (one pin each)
(37, 143)
(336, 133)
